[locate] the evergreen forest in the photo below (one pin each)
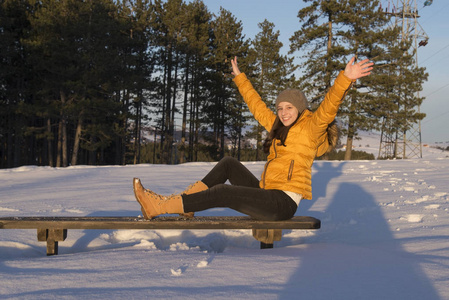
(114, 82)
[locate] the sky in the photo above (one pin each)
(434, 56)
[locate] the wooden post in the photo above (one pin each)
(52, 237)
(266, 237)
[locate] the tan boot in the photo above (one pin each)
(153, 205)
(197, 187)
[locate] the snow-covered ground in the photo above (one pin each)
(384, 235)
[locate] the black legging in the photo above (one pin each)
(243, 195)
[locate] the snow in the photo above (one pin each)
(384, 235)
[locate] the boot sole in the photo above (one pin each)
(144, 213)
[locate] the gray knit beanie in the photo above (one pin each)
(295, 97)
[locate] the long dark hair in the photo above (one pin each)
(279, 132)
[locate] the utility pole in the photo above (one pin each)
(404, 143)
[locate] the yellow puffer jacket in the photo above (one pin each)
(289, 168)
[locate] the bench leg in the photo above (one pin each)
(52, 237)
(265, 246)
(266, 237)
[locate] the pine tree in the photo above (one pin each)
(15, 76)
(134, 76)
(228, 41)
(349, 28)
(400, 80)
(52, 45)
(324, 52)
(365, 36)
(168, 27)
(81, 43)
(370, 36)
(196, 49)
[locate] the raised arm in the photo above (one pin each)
(328, 108)
(258, 108)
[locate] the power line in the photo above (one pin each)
(437, 62)
(446, 85)
(434, 118)
(435, 54)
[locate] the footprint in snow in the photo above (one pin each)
(202, 264)
(7, 209)
(419, 200)
(440, 195)
(177, 272)
(432, 206)
(413, 218)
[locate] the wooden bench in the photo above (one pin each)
(54, 229)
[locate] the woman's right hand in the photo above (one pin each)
(235, 68)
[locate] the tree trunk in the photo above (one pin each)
(59, 147)
(17, 141)
(197, 128)
(9, 151)
(192, 121)
(184, 112)
(76, 143)
(163, 114)
(222, 135)
(259, 146)
(239, 143)
(63, 124)
(125, 125)
(137, 134)
(348, 152)
(351, 129)
(64, 144)
(93, 153)
(168, 136)
(173, 108)
(49, 143)
(329, 47)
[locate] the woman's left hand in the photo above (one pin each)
(357, 70)
(235, 67)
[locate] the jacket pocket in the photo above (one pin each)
(290, 170)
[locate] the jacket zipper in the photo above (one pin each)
(266, 165)
(290, 170)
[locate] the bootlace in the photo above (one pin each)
(159, 198)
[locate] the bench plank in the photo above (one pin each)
(54, 229)
(299, 222)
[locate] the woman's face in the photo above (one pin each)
(287, 113)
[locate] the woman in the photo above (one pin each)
(296, 137)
